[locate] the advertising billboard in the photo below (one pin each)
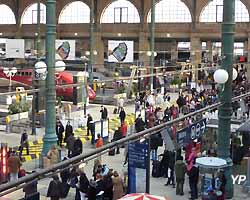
(120, 51)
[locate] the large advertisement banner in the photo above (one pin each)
(15, 48)
(137, 166)
(65, 49)
(120, 51)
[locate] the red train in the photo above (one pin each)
(62, 78)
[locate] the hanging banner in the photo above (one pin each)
(137, 166)
(120, 51)
(194, 131)
(15, 48)
(65, 49)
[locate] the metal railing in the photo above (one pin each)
(44, 173)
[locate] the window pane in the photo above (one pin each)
(124, 15)
(7, 16)
(213, 12)
(30, 14)
(127, 13)
(74, 13)
(117, 15)
(171, 11)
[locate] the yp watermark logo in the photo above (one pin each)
(239, 179)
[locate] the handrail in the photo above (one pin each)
(41, 173)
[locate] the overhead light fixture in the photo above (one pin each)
(119, 34)
(76, 34)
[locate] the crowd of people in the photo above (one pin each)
(104, 184)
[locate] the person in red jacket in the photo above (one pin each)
(124, 128)
(99, 142)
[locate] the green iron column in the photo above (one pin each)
(152, 44)
(38, 43)
(35, 82)
(50, 135)
(225, 111)
(91, 59)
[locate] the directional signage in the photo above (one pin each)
(194, 131)
(137, 166)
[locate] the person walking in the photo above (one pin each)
(117, 186)
(154, 146)
(70, 144)
(89, 125)
(171, 179)
(180, 170)
(14, 164)
(122, 115)
(59, 133)
(193, 180)
(54, 189)
(117, 136)
(24, 143)
(77, 147)
(68, 131)
(139, 124)
(104, 113)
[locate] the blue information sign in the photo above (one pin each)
(137, 167)
(194, 131)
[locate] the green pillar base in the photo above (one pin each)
(228, 173)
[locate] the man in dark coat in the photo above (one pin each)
(180, 170)
(139, 124)
(24, 143)
(77, 147)
(193, 180)
(68, 131)
(154, 146)
(89, 124)
(117, 136)
(70, 144)
(59, 132)
(171, 179)
(122, 115)
(54, 188)
(104, 113)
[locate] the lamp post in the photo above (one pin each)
(50, 135)
(39, 74)
(225, 110)
(152, 44)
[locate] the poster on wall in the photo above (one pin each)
(65, 49)
(120, 51)
(15, 48)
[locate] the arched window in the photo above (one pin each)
(171, 11)
(75, 13)
(7, 16)
(30, 14)
(213, 12)
(120, 11)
